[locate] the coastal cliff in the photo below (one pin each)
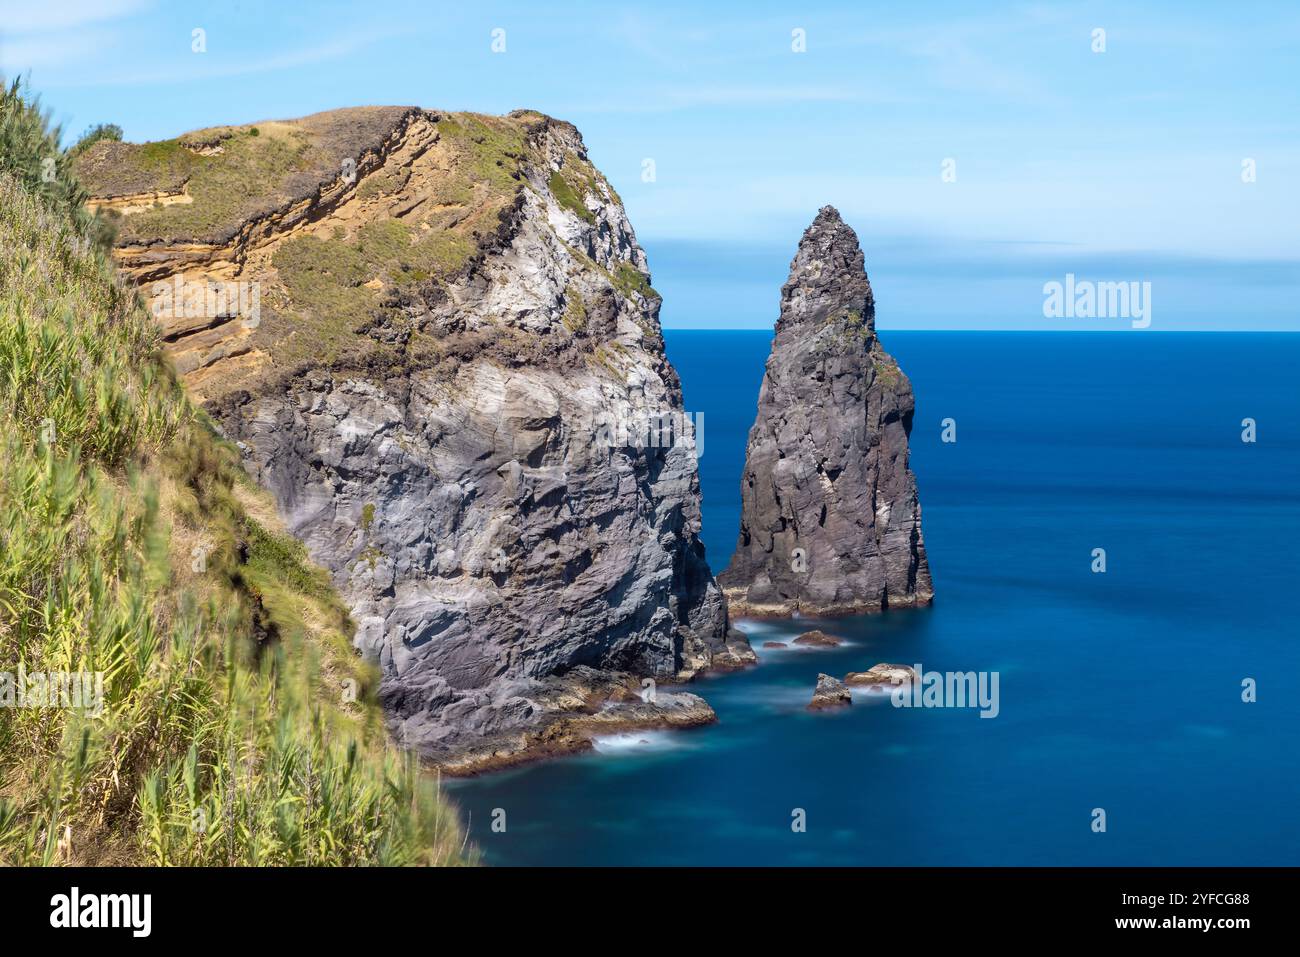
(446, 387)
(830, 519)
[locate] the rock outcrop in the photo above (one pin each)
(579, 706)
(830, 522)
(882, 674)
(454, 390)
(830, 693)
(817, 639)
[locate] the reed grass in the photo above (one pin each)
(237, 726)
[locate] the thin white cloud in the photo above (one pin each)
(209, 67)
(671, 99)
(43, 36)
(39, 52)
(78, 58)
(27, 16)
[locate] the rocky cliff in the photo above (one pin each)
(830, 520)
(445, 380)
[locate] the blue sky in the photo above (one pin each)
(1123, 165)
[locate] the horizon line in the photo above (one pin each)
(1196, 332)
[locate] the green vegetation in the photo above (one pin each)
(629, 281)
(226, 188)
(237, 726)
(605, 356)
(282, 560)
(850, 327)
(126, 169)
(328, 287)
(887, 369)
(30, 153)
(341, 290)
(568, 197)
(574, 181)
(490, 147)
(104, 131)
(326, 281)
(575, 309)
(383, 183)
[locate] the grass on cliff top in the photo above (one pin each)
(334, 285)
(258, 169)
(237, 726)
(330, 286)
(251, 176)
(491, 147)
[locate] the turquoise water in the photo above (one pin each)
(1119, 691)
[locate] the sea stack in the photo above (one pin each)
(830, 521)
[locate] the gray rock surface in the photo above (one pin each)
(830, 693)
(497, 541)
(882, 674)
(830, 523)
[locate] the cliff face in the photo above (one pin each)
(456, 348)
(830, 521)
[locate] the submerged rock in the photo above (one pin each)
(830, 521)
(830, 693)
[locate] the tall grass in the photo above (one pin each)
(225, 736)
(30, 153)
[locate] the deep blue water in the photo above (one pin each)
(1119, 691)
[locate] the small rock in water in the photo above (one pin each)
(818, 639)
(882, 674)
(830, 693)
(774, 644)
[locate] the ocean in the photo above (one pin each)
(1119, 692)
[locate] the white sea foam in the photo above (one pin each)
(870, 692)
(634, 742)
(789, 645)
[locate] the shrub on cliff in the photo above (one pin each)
(103, 131)
(30, 153)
